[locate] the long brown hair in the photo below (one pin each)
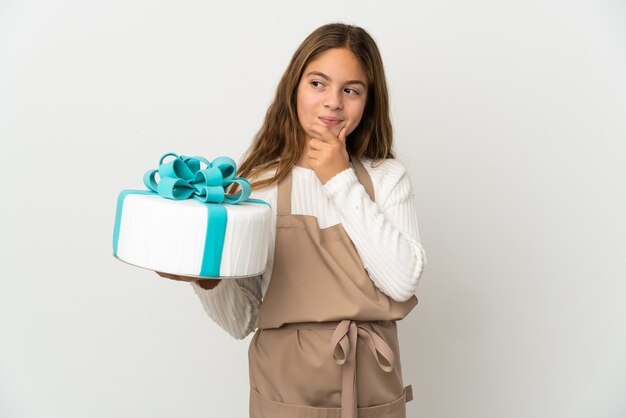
(280, 141)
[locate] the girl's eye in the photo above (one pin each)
(316, 84)
(351, 91)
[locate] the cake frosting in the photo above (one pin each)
(171, 235)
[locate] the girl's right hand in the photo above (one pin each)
(204, 283)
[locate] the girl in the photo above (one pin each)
(346, 256)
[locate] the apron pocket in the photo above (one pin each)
(261, 407)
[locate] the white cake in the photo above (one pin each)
(169, 235)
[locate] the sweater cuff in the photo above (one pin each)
(341, 182)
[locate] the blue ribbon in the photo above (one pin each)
(184, 178)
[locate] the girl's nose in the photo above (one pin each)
(333, 101)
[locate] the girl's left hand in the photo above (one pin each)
(327, 153)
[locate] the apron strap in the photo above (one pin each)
(363, 176)
(283, 206)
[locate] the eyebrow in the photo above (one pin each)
(324, 76)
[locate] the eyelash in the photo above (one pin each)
(347, 88)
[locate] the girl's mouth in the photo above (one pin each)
(329, 121)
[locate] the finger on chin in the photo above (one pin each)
(343, 133)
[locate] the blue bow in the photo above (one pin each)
(182, 178)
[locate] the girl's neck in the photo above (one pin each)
(303, 162)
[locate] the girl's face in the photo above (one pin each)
(332, 91)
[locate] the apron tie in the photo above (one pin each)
(343, 345)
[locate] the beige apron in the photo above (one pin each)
(326, 344)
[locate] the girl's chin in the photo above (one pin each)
(337, 129)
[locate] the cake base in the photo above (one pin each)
(192, 276)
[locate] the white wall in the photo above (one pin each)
(509, 115)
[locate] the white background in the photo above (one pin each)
(510, 116)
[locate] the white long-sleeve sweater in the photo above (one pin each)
(385, 234)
